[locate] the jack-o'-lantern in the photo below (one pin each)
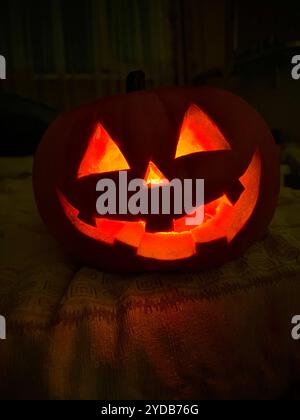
(175, 133)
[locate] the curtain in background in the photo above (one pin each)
(63, 53)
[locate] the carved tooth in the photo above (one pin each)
(235, 191)
(89, 219)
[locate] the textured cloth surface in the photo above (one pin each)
(75, 332)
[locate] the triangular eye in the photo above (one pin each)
(102, 155)
(199, 134)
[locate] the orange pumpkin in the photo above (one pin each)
(196, 133)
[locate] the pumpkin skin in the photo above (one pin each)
(241, 179)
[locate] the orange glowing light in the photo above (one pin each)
(102, 155)
(166, 245)
(154, 176)
(199, 134)
(222, 220)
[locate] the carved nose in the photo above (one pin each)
(154, 177)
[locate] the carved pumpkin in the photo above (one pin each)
(196, 133)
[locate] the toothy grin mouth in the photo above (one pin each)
(224, 219)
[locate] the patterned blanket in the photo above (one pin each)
(75, 332)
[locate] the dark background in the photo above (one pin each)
(63, 53)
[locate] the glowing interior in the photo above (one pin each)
(199, 134)
(154, 176)
(102, 155)
(222, 220)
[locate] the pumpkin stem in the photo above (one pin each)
(136, 80)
